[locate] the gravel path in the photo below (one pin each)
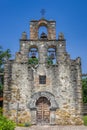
(53, 128)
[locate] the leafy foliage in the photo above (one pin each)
(4, 55)
(33, 61)
(27, 124)
(50, 61)
(85, 120)
(6, 124)
(1, 111)
(1, 89)
(20, 124)
(1, 86)
(84, 89)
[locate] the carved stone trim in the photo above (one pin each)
(48, 95)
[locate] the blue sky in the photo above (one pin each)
(70, 16)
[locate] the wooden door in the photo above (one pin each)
(43, 112)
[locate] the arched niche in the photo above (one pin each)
(42, 32)
(42, 29)
(48, 95)
(33, 106)
(51, 55)
(35, 25)
(33, 55)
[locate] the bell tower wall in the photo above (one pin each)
(50, 25)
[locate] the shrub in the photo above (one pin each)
(84, 89)
(1, 89)
(33, 61)
(85, 120)
(49, 61)
(6, 124)
(1, 111)
(20, 124)
(27, 124)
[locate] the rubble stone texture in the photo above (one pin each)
(63, 86)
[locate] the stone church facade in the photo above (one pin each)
(42, 85)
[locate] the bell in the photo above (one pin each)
(33, 55)
(52, 56)
(43, 36)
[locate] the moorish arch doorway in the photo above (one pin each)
(42, 107)
(43, 111)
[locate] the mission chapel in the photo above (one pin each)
(42, 85)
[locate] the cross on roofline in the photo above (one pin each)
(43, 12)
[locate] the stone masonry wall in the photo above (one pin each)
(63, 81)
(34, 27)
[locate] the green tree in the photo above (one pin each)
(4, 55)
(84, 89)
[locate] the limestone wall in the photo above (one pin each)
(34, 29)
(63, 81)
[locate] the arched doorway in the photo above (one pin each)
(41, 97)
(43, 111)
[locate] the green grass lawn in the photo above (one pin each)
(85, 120)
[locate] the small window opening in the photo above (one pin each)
(42, 79)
